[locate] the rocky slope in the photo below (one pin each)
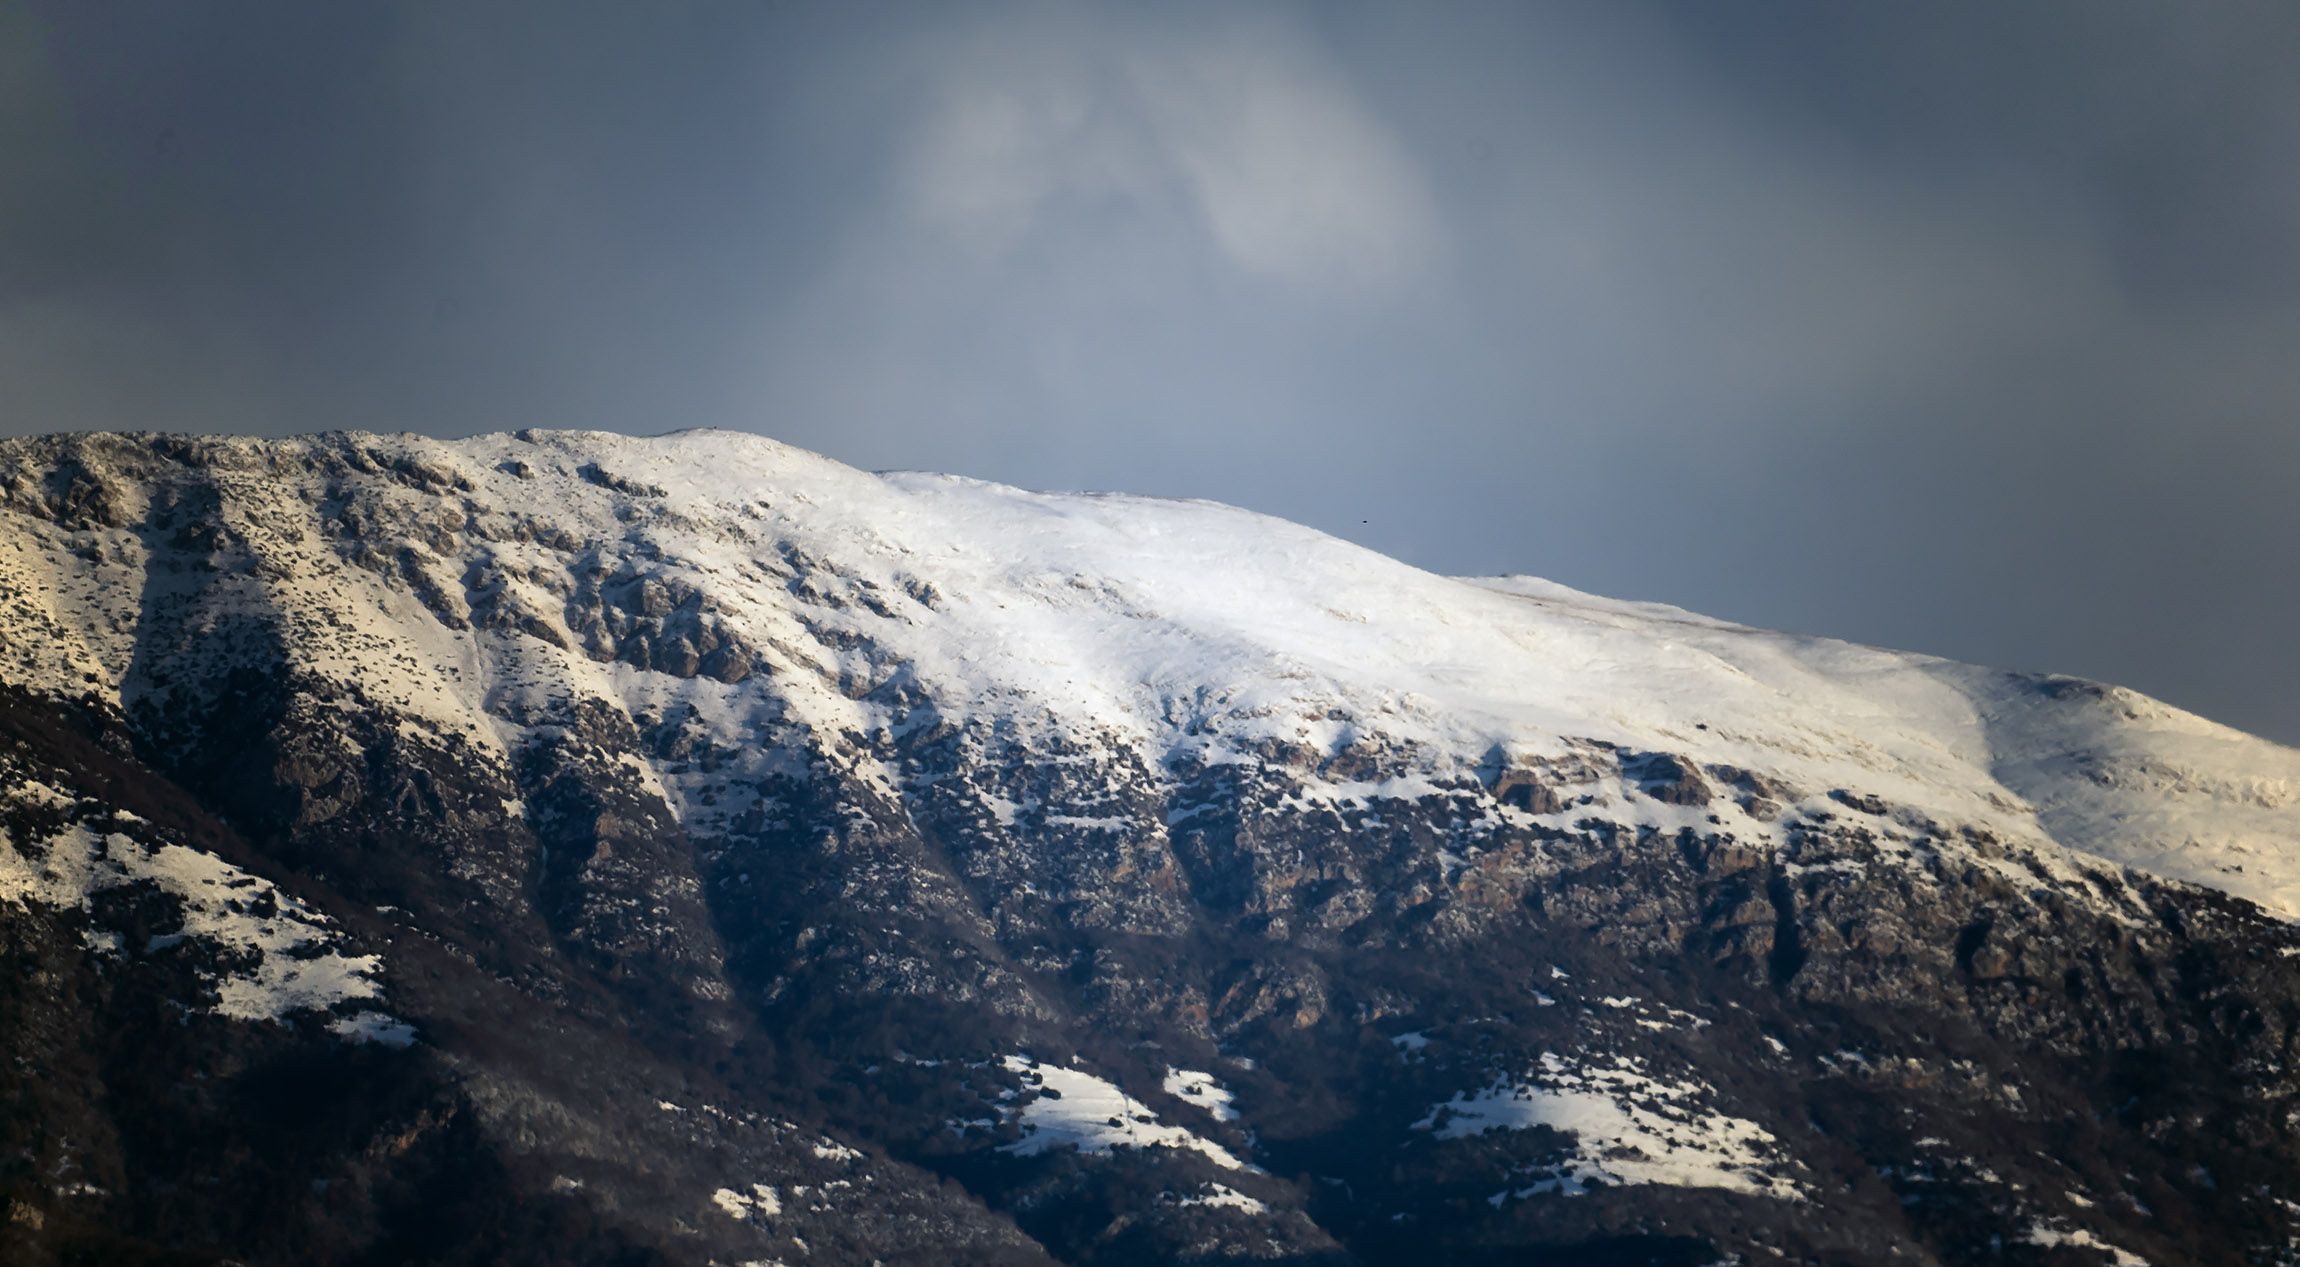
(574, 848)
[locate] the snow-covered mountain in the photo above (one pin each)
(695, 848)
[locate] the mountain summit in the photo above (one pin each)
(566, 847)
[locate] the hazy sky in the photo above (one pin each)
(1973, 329)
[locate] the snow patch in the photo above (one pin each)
(1220, 1197)
(1203, 1090)
(1626, 1128)
(2051, 1234)
(761, 1200)
(1074, 1109)
(279, 949)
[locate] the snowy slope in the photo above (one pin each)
(452, 580)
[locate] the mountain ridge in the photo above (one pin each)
(2211, 850)
(755, 859)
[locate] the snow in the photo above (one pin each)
(2050, 1234)
(1203, 1090)
(1186, 633)
(1219, 1197)
(217, 898)
(282, 949)
(1093, 1116)
(1626, 1128)
(761, 1200)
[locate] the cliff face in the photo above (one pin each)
(575, 848)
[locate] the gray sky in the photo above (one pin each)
(1969, 328)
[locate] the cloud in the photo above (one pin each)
(1241, 132)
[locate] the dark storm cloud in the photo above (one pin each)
(1969, 328)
